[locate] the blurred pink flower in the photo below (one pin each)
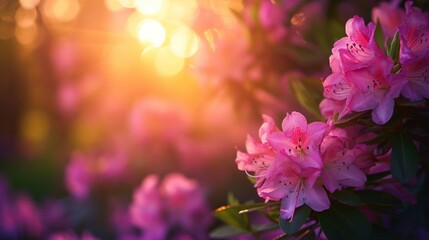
(19, 216)
(84, 171)
(147, 209)
(390, 16)
(70, 235)
(150, 120)
(175, 204)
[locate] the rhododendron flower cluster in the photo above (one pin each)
(84, 171)
(296, 164)
(366, 75)
(172, 209)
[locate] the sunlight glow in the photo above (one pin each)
(149, 6)
(167, 63)
(25, 17)
(29, 4)
(151, 32)
(184, 10)
(184, 42)
(113, 5)
(61, 10)
(26, 35)
(127, 3)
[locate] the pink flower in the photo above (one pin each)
(84, 171)
(297, 136)
(294, 185)
(78, 177)
(259, 154)
(147, 211)
(414, 53)
(185, 204)
(175, 204)
(339, 169)
(389, 15)
(70, 235)
(375, 88)
(362, 76)
(357, 49)
(329, 107)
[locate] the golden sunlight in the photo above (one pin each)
(29, 4)
(149, 6)
(151, 32)
(61, 10)
(25, 17)
(184, 42)
(113, 5)
(167, 63)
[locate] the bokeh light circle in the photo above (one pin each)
(184, 42)
(167, 63)
(149, 7)
(151, 32)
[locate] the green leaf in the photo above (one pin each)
(252, 179)
(225, 231)
(379, 199)
(348, 197)
(231, 215)
(405, 158)
(379, 36)
(232, 200)
(344, 222)
(300, 217)
(308, 93)
(394, 48)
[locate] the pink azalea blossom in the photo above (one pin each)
(414, 53)
(375, 89)
(357, 49)
(362, 76)
(259, 154)
(294, 185)
(339, 169)
(297, 136)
